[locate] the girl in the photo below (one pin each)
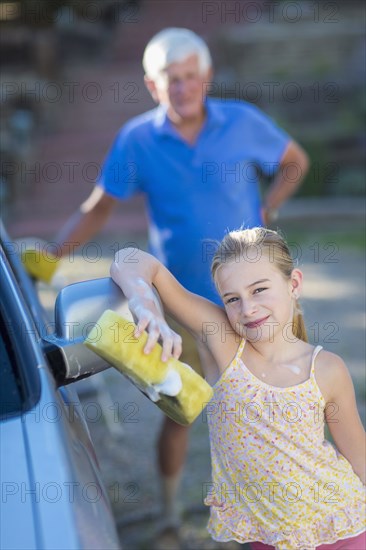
(277, 483)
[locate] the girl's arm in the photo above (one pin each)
(341, 412)
(136, 272)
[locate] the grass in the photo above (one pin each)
(352, 240)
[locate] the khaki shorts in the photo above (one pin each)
(189, 346)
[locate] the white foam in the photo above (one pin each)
(293, 368)
(172, 384)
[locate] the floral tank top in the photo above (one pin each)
(276, 479)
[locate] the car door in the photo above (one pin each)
(52, 492)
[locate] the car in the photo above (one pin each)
(52, 494)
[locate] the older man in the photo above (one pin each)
(196, 160)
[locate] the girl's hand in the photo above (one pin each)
(146, 309)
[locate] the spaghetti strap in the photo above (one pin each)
(240, 349)
(315, 353)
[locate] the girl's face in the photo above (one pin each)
(258, 299)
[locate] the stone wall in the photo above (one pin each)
(303, 63)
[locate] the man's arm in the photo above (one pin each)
(293, 168)
(87, 221)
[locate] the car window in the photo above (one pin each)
(10, 387)
(20, 347)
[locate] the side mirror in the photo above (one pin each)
(77, 309)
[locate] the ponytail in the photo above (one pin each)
(298, 324)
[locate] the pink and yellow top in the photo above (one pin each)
(275, 477)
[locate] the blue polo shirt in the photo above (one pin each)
(195, 193)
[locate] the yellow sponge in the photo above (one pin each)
(174, 386)
(40, 265)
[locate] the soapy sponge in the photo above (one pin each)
(174, 386)
(40, 265)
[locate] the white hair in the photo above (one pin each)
(173, 45)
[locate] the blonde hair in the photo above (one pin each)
(250, 244)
